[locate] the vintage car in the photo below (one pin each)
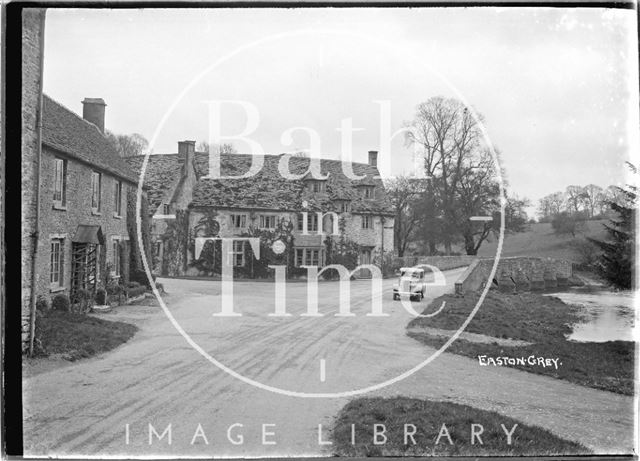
(411, 283)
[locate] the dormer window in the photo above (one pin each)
(368, 191)
(317, 186)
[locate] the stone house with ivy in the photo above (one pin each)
(320, 221)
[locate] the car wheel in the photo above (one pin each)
(422, 295)
(395, 297)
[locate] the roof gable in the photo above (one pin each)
(67, 132)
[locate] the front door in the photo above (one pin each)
(84, 267)
(364, 258)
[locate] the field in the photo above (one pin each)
(540, 241)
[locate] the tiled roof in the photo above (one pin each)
(266, 190)
(67, 132)
(160, 177)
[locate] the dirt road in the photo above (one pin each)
(159, 379)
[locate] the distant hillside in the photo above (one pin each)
(540, 241)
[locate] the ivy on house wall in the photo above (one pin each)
(209, 261)
(176, 241)
(255, 268)
(134, 257)
(342, 250)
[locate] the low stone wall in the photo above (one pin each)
(517, 273)
(472, 279)
(441, 262)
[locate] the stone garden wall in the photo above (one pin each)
(441, 262)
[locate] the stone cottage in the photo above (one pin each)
(80, 215)
(314, 210)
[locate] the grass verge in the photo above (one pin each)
(541, 320)
(427, 419)
(77, 336)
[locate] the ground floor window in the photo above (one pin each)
(309, 257)
(56, 268)
(237, 254)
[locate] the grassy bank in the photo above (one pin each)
(540, 240)
(76, 336)
(428, 417)
(541, 320)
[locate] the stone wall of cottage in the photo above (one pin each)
(32, 33)
(226, 226)
(379, 237)
(63, 223)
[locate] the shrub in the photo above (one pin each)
(565, 223)
(60, 303)
(82, 300)
(101, 297)
(42, 304)
(133, 285)
(588, 253)
(140, 277)
(132, 292)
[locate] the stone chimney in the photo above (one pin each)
(93, 111)
(186, 150)
(373, 158)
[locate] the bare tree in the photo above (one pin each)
(447, 134)
(225, 148)
(128, 145)
(591, 197)
(464, 179)
(544, 209)
(404, 192)
(557, 202)
(574, 196)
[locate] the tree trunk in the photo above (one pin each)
(470, 246)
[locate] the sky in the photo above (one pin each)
(556, 88)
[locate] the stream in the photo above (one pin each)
(608, 315)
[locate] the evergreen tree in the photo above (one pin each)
(618, 251)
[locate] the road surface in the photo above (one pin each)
(157, 378)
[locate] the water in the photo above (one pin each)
(608, 315)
